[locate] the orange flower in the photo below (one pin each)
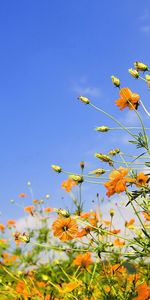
(115, 231)
(35, 201)
(2, 227)
(83, 260)
(117, 268)
(146, 216)
(119, 243)
(130, 223)
(29, 209)
(69, 287)
(11, 223)
(68, 184)
(22, 195)
(107, 223)
(117, 183)
(65, 228)
(141, 180)
(127, 99)
(48, 209)
(84, 231)
(143, 292)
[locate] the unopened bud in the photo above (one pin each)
(102, 128)
(76, 178)
(82, 164)
(84, 99)
(147, 77)
(97, 172)
(61, 212)
(104, 158)
(112, 212)
(115, 81)
(114, 152)
(140, 66)
(134, 73)
(57, 169)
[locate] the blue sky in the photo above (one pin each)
(52, 51)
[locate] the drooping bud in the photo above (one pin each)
(23, 237)
(102, 128)
(114, 152)
(134, 73)
(140, 66)
(77, 178)
(104, 158)
(57, 169)
(84, 99)
(97, 172)
(115, 81)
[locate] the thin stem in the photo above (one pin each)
(114, 119)
(145, 109)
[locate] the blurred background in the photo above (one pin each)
(51, 52)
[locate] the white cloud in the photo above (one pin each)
(83, 88)
(145, 28)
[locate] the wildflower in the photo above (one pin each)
(115, 81)
(134, 73)
(102, 128)
(22, 195)
(68, 184)
(141, 180)
(77, 178)
(69, 286)
(57, 169)
(84, 231)
(143, 292)
(127, 99)
(84, 99)
(117, 183)
(104, 158)
(48, 209)
(119, 243)
(130, 223)
(146, 216)
(115, 231)
(97, 172)
(11, 223)
(29, 209)
(140, 66)
(65, 228)
(107, 222)
(35, 201)
(2, 227)
(83, 260)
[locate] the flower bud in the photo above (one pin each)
(147, 77)
(140, 66)
(114, 152)
(104, 158)
(134, 73)
(76, 178)
(82, 164)
(84, 99)
(102, 128)
(57, 169)
(97, 172)
(112, 212)
(115, 81)
(61, 212)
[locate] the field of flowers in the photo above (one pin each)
(78, 254)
